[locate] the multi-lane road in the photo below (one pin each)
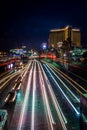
(49, 98)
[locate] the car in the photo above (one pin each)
(19, 79)
(3, 118)
(11, 97)
(17, 86)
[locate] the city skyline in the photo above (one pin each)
(29, 23)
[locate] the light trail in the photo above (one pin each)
(5, 73)
(33, 100)
(78, 77)
(55, 102)
(68, 79)
(7, 79)
(26, 70)
(45, 99)
(72, 81)
(8, 76)
(64, 85)
(62, 91)
(85, 91)
(23, 111)
(53, 96)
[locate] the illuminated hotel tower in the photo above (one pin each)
(59, 35)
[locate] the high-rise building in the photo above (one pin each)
(58, 36)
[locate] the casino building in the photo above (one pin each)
(57, 36)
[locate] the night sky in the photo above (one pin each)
(29, 23)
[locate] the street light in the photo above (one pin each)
(44, 46)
